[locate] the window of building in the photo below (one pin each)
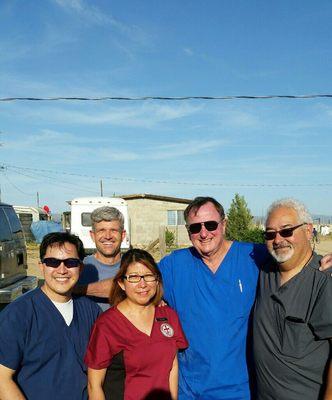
(175, 217)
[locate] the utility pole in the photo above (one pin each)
(37, 199)
(2, 168)
(101, 188)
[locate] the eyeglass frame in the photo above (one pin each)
(141, 277)
(281, 232)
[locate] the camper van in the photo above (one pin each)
(27, 216)
(80, 218)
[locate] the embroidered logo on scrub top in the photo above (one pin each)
(167, 330)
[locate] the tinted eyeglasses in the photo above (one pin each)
(68, 262)
(286, 232)
(197, 226)
(137, 278)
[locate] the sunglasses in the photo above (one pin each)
(286, 232)
(68, 262)
(197, 226)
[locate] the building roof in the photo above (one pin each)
(97, 200)
(155, 197)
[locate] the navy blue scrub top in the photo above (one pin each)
(46, 353)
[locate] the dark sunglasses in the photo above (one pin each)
(197, 226)
(68, 262)
(286, 232)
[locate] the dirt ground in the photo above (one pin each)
(33, 259)
(324, 247)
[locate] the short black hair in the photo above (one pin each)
(198, 202)
(60, 238)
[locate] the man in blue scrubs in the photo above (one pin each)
(212, 287)
(44, 334)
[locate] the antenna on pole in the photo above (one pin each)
(101, 188)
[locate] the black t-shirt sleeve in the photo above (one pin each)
(321, 318)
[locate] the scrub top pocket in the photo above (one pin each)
(296, 337)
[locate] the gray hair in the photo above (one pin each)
(301, 210)
(107, 213)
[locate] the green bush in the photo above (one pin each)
(169, 238)
(255, 235)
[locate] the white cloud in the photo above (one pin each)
(326, 109)
(188, 148)
(76, 5)
(45, 138)
(67, 149)
(147, 115)
(13, 50)
(238, 118)
(95, 15)
(188, 51)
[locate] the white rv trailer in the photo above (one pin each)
(27, 216)
(80, 219)
(35, 213)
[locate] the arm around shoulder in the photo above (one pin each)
(326, 262)
(97, 289)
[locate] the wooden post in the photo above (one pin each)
(162, 241)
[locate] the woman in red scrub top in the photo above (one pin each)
(132, 353)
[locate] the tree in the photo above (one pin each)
(239, 224)
(169, 238)
(255, 235)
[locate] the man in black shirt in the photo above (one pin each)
(293, 312)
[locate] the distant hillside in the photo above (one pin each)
(318, 219)
(322, 219)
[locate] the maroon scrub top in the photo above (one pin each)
(146, 360)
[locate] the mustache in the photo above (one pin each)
(281, 246)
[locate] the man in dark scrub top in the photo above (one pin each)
(45, 332)
(293, 312)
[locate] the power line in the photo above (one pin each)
(164, 98)
(16, 187)
(38, 175)
(124, 179)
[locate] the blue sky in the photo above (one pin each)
(262, 149)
